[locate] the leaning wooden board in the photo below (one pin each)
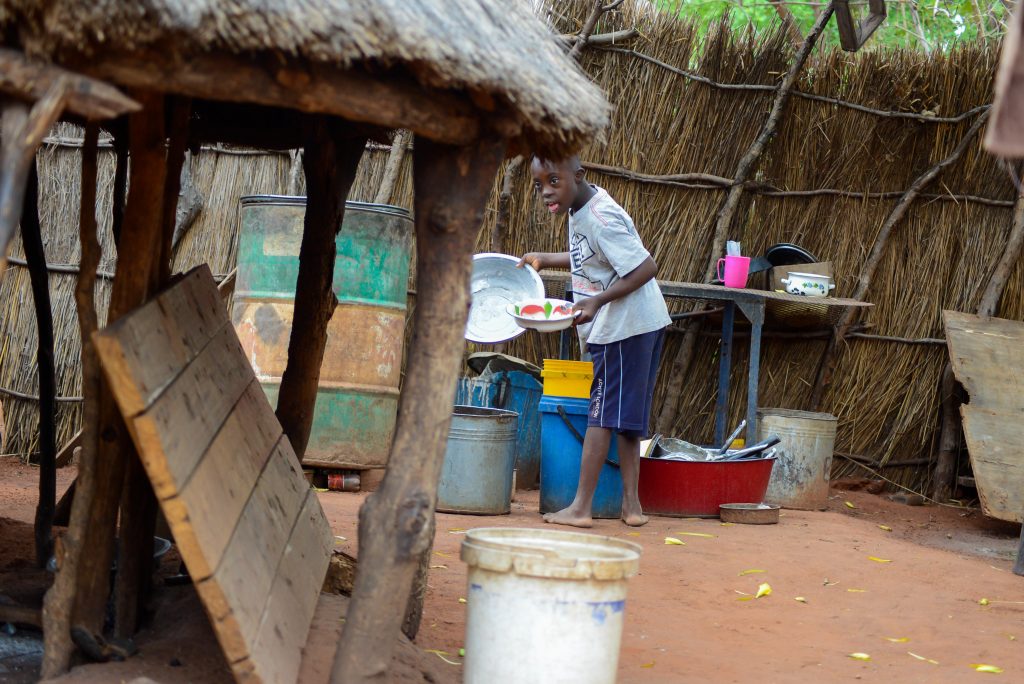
(249, 528)
(987, 356)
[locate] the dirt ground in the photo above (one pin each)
(689, 616)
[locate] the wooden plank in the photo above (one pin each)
(277, 652)
(144, 352)
(997, 459)
(987, 356)
(246, 572)
(175, 432)
(220, 485)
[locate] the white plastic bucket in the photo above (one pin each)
(801, 473)
(545, 605)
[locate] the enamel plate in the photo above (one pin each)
(496, 283)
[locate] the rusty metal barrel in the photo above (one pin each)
(357, 399)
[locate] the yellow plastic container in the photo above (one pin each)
(567, 378)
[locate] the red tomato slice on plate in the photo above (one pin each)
(563, 310)
(531, 309)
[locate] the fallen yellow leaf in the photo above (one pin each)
(456, 530)
(879, 560)
(745, 598)
(339, 538)
(897, 640)
(849, 505)
(441, 655)
(754, 571)
(462, 600)
(442, 553)
(829, 584)
(726, 524)
(885, 527)
(983, 602)
(633, 534)
(801, 599)
(697, 534)
(675, 542)
(438, 567)
(857, 591)
(1011, 637)
(764, 590)
(319, 489)
(980, 667)
(650, 664)
(859, 656)
(927, 660)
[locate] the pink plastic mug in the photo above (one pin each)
(736, 269)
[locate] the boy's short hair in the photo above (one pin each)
(572, 159)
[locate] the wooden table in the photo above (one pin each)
(752, 304)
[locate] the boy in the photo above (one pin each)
(621, 324)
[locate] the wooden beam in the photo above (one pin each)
(391, 100)
(330, 158)
(35, 255)
(29, 80)
(452, 185)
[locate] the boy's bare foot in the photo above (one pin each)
(632, 514)
(567, 516)
(634, 519)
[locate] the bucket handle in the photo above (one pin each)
(577, 435)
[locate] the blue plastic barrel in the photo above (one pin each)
(512, 391)
(561, 452)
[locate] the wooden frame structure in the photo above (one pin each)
(853, 36)
(500, 86)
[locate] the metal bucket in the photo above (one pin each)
(804, 458)
(477, 473)
(357, 401)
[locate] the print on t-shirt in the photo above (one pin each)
(580, 252)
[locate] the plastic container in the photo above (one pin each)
(545, 605)
(476, 476)
(561, 452)
(804, 457)
(698, 488)
(567, 378)
(513, 391)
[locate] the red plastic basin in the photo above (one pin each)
(698, 488)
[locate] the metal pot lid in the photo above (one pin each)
(496, 283)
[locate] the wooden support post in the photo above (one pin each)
(60, 599)
(723, 220)
(830, 358)
(138, 260)
(949, 439)
(331, 157)
(120, 180)
(35, 255)
(500, 229)
(451, 185)
(138, 502)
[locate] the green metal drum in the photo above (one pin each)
(357, 400)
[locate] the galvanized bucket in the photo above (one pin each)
(478, 462)
(357, 400)
(801, 473)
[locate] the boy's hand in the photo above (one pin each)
(534, 259)
(588, 308)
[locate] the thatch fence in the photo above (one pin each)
(858, 132)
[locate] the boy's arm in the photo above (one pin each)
(632, 281)
(540, 260)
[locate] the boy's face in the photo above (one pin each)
(556, 183)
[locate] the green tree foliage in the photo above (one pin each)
(930, 25)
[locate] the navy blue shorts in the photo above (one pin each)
(623, 386)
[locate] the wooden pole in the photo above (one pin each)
(393, 166)
(949, 440)
(60, 598)
(500, 228)
(139, 256)
(330, 158)
(723, 220)
(829, 359)
(452, 185)
(32, 240)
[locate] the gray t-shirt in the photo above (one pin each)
(603, 247)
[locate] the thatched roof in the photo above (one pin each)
(497, 51)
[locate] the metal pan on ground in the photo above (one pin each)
(749, 513)
(543, 315)
(495, 284)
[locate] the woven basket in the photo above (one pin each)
(801, 316)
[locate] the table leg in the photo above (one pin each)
(724, 367)
(754, 311)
